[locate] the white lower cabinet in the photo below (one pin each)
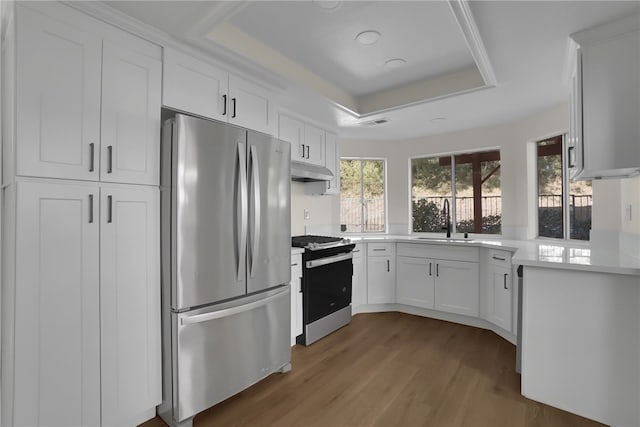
(457, 287)
(87, 304)
(415, 282)
(296, 297)
(359, 279)
(129, 303)
(381, 273)
(500, 296)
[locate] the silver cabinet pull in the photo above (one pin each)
(90, 208)
(109, 209)
(437, 270)
(308, 151)
(224, 105)
(429, 269)
(378, 249)
(498, 258)
(92, 157)
(505, 280)
(233, 115)
(110, 159)
(388, 266)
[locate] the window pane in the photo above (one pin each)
(373, 195)
(464, 196)
(550, 222)
(580, 201)
(350, 191)
(430, 186)
(491, 196)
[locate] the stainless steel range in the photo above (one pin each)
(326, 285)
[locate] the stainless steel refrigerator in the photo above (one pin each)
(226, 245)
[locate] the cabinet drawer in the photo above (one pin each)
(448, 252)
(381, 249)
(500, 258)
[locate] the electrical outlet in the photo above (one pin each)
(306, 214)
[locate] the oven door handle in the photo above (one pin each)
(329, 260)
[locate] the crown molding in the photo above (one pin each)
(466, 22)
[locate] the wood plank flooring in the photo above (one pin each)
(392, 369)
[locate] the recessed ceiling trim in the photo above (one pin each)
(464, 18)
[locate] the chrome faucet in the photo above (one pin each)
(446, 211)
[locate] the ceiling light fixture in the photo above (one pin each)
(327, 4)
(367, 38)
(395, 63)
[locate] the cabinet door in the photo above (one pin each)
(296, 297)
(332, 162)
(415, 282)
(194, 86)
(500, 285)
(314, 145)
(130, 117)
(457, 287)
(381, 286)
(359, 279)
(129, 303)
(57, 308)
(292, 131)
(58, 103)
(250, 106)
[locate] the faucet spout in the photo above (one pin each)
(446, 211)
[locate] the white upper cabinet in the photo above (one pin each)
(332, 162)
(605, 119)
(250, 106)
(84, 112)
(129, 302)
(56, 344)
(194, 86)
(200, 88)
(292, 131)
(58, 102)
(314, 145)
(130, 148)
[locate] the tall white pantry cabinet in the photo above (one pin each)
(81, 270)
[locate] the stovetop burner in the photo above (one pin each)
(317, 242)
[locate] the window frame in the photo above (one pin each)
(566, 190)
(385, 189)
(453, 204)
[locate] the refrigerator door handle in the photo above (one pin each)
(243, 202)
(255, 175)
(205, 317)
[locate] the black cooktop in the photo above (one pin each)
(306, 240)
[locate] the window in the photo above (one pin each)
(362, 198)
(564, 205)
(471, 184)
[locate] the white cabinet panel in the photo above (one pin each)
(457, 287)
(314, 145)
(381, 280)
(296, 297)
(250, 106)
(194, 86)
(129, 303)
(332, 162)
(292, 131)
(415, 282)
(130, 117)
(57, 329)
(58, 102)
(359, 280)
(500, 297)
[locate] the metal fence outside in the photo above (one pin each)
(351, 214)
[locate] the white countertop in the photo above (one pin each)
(296, 251)
(534, 253)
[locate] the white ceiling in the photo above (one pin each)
(327, 75)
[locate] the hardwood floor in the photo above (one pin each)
(392, 369)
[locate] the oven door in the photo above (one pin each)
(327, 286)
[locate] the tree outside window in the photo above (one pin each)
(471, 184)
(362, 199)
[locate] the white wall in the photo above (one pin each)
(324, 212)
(511, 138)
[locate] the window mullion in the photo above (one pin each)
(453, 195)
(362, 210)
(565, 192)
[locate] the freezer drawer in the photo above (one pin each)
(223, 350)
